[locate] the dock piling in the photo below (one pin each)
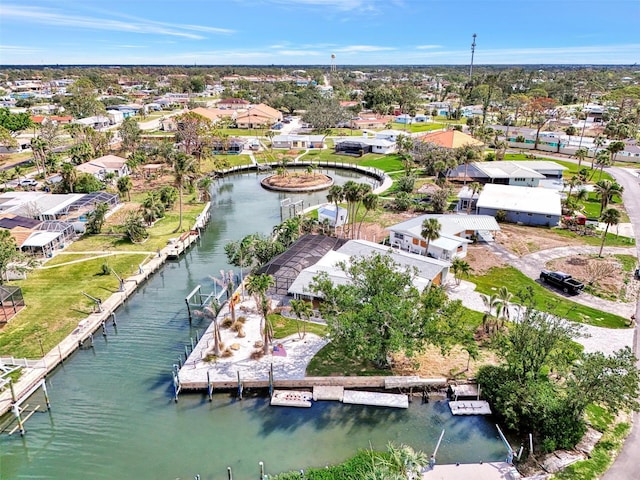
(229, 474)
(113, 318)
(46, 394)
(104, 329)
(239, 386)
(209, 387)
(261, 463)
(16, 412)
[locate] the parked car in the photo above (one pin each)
(637, 273)
(28, 182)
(561, 280)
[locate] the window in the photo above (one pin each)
(398, 236)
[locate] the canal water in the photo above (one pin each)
(113, 416)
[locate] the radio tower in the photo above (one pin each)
(473, 49)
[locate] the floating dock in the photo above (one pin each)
(375, 399)
(291, 398)
(470, 407)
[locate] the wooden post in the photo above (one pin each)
(186, 300)
(271, 381)
(239, 386)
(104, 330)
(261, 470)
(438, 444)
(13, 392)
(186, 353)
(46, 394)
(530, 444)
(229, 474)
(113, 318)
(209, 387)
(16, 412)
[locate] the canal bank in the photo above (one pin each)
(113, 414)
(104, 314)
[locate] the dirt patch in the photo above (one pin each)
(480, 259)
(119, 217)
(298, 181)
(521, 240)
(432, 364)
(603, 276)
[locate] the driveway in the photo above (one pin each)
(531, 265)
(594, 339)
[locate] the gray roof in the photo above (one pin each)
(427, 268)
(520, 199)
(450, 224)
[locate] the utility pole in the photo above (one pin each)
(473, 49)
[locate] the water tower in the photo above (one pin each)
(333, 62)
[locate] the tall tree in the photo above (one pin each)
(335, 196)
(258, 285)
(540, 110)
(607, 190)
(303, 311)
(124, 186)
(130, 134)
(609, 217)
(430, 231)
(376, 313)
(10, 256)
(184, 171)
(370, 202)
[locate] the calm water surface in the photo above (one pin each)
(113, 416)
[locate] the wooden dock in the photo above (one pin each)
(375, 399)
(475, 471)
(36, 372)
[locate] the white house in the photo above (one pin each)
(101, 166)
(97, 122)
(456, 232)
(391, 135)
(525, 205)
(328, 212)
(429, 271)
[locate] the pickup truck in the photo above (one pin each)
(561, 280)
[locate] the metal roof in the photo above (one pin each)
(520, 199)
(40, 239)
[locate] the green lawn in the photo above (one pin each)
(55, 302)
(223, 161)
(387, 163)
(628, 262)
(283, 326)
(612, 240)
(572, 168)
(545, 300)
(418, 127)
(159, 234)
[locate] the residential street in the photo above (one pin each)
(626, 464)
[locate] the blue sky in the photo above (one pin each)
(307, 32)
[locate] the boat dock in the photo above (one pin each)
(475, 471)
(82, 336)
(470, 407)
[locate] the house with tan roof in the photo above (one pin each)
(233, 103)
(101, 166)
(215, 114)
(450, 139)
(258, 116)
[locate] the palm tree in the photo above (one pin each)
(124, 186)
(504, 298)
(602, 160)
(598, 141)
(204, 185)
(302, 310)
(352, 194)
(490, 302)
(362, 190)
(69, 176)
(405, 460)
(606, 190)
(581, 154)
(184, 171)
(18, 171)
(460, 268)
(572, 183)
(430, 231)
(4, 178)
(475, 187)
(613, 148)
(370, 202)
(211, 312)
(335, 196)
(610, 216)
(257, 285)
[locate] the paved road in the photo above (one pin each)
(626, 464)
(531, 265)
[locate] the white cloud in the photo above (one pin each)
(428, 47)
(19, 49)
(300, 53)
(53, 18)
(342, 5)
(362, 48)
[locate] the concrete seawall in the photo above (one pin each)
(39, 369)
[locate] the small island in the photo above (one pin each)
(297, 182)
